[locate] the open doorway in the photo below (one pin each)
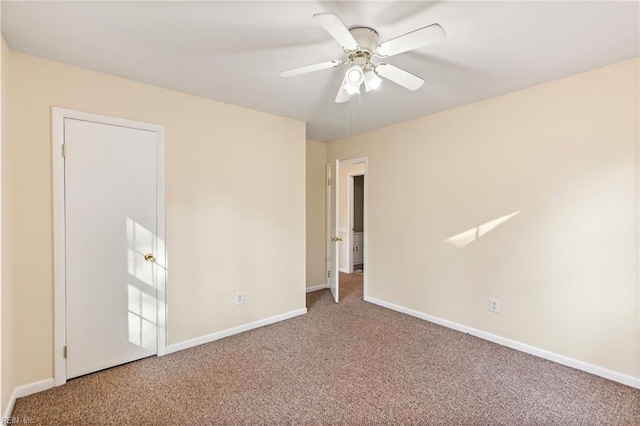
(355, 217)
(347, 242)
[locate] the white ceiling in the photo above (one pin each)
(234, 51)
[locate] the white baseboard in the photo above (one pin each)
(26, 390)
(317, 287)
(345, 270)
(522, 347)
(231, 331)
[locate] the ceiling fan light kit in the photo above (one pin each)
(371, 80)
(355, 75)
(362, 45)
(352, 89)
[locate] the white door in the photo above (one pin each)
(333, 239)
(111, 225)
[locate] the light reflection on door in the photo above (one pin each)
(142, 288)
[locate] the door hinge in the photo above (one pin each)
(64, 150)
(328, 274)
(329, 181)
(64, 351)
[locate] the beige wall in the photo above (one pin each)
(565, 269)
(7, 355)
(235, 204)
(316, 213)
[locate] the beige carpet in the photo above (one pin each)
(350, 363)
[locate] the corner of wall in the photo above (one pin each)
(316, 154)
(2, 399)
(6, 290)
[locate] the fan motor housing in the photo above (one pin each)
(367, 39)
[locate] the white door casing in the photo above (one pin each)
(365, 234)
(333, 243)
(108, 214)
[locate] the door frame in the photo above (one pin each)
(58, 115)
(365, 234)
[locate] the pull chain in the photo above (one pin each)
(355, 118)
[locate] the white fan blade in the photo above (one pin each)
(310, 68)
(336, 28)
(343, 95)
(398, 76)
(413, 40)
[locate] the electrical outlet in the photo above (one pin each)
(494, 305)
(239, 298)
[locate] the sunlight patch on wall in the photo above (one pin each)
(467, 237)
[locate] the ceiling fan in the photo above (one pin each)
(362, 46)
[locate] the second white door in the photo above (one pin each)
(333, 238)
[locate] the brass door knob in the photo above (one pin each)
(149, 257)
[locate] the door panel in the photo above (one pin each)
(333, 248)
(110, 208)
